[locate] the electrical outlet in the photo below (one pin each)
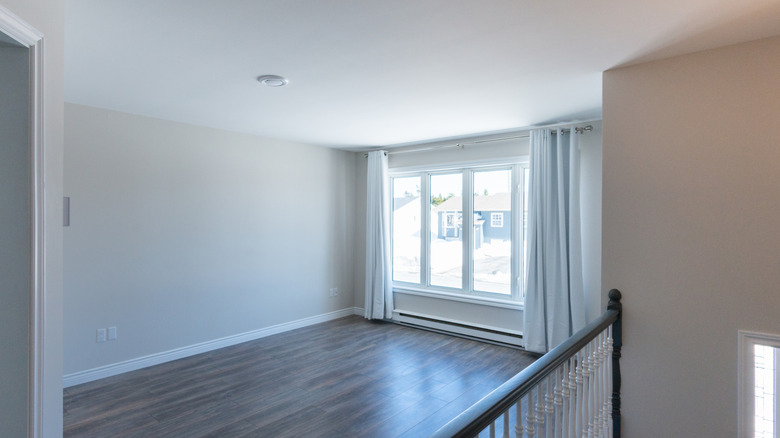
(101, 335)
(335, 291)
(330, 292)
(112, 333)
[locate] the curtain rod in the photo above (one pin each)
(577, 129)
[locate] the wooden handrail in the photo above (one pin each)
(480, 415)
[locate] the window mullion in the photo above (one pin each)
(468, 230)
(517, 232)
(425, 244)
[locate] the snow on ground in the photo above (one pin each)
(492, 263)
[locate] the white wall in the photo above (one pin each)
(359, 280)
(497, 317)
(15, 251)
(182, 234)
(590, 204)
(690, 229)
(47, 16)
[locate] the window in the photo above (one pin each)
(765, 370)
(759, 381)
(496, 220)
(450, 223)
(473, 220)
(406, 231)
(492, 267)
(446, 242)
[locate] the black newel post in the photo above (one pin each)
(617, 342)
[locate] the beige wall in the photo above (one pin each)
(691, 195)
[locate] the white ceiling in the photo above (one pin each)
(366, 73)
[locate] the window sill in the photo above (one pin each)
(471, 299)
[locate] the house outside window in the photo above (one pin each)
(472, 245)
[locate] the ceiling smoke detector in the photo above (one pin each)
(272, 80)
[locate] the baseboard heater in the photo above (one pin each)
(459, 329)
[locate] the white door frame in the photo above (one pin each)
(28, 36)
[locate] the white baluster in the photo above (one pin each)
(548, 406)
(581, 394)
(506, 425)
(609, 381)
(558, 400)
(530, 418)
(493, 430)
(585, 392)
(519, 419)
(605, 384)
(599, 422)
(588, 373)
(598, 381)
(572, 423)
(540, 409)
(589, 383)
(565, 394)
(594, 407)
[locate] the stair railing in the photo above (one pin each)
(572, 391)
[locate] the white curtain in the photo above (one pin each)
(554, 300)
(379, 287)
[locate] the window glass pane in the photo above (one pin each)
(446, 234)
(492, 231)
(765, 372)
(406, 229)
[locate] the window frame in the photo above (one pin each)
(516, 166)
(746, 383)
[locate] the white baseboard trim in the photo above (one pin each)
(359, 311)
(178, 353)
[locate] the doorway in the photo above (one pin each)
(15, 236)
(21, 228)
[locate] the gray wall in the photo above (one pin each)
(691, 207)
(48, 17)
(181, 234)
(15, 250)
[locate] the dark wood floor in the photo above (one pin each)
(344, 378)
